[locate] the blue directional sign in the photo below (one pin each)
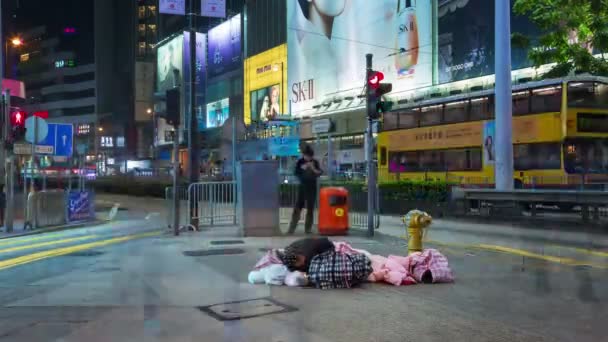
(58, 141)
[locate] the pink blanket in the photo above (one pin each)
(398, 270)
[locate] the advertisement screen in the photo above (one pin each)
(169, 58)
(266, 104)
(217, 113)
(200, 76)
(224, 47)
(327, 56)
(466, 39)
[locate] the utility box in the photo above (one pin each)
(258, 188)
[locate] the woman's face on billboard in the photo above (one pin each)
(330, 8)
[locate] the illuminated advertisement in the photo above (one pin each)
(466, 39)
(200, 76)
(217, 113)
(266, 103)
(327, 56)
(224, 47)
(170, 58)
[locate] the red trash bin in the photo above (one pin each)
(333, 211)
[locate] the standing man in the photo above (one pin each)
(308, 171)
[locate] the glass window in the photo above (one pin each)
(152, 10)
(481, 109)
(542, 156)
(431, 115)
(463, 159)
(586, 156)
(431, 161)
(152, 29)
(456, 112)
(142, 12)
(400, 162)
(141, 48)
(390, 121)
(588, 94)
(592, 123)
(546, 100)
(409, 118)
(521, 103)
(141, 29)
(383, 157)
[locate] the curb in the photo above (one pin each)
(56, 229)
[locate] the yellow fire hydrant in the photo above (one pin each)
(416, 222)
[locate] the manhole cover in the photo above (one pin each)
(85, 254)
(246, 309)
(227, 242)
(219, 251)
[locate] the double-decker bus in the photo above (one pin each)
(560, 136)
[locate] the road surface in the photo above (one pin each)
(130, 281)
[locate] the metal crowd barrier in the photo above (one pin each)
(213, 203)
(357, 212)
(46, 209)
(204, 203)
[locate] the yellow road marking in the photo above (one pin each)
(45, 244)
(522, 252)
(586, 251)
(26, 259)
(18, 240)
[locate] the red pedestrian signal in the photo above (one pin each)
(374, 79)
(18, 118)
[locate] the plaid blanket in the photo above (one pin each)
(333, 270)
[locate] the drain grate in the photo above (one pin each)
(227, 242)
(85, 254)
(246, 309)
(219, 251)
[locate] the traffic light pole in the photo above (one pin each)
(194, 139)
(371, 175)
(9, 165)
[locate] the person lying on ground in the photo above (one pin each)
(297, 256)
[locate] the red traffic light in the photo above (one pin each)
(18, 118)
(375, 78)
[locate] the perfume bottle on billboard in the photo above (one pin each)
(406, 42)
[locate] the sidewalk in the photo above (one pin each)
(18, 230)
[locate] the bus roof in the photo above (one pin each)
(418, 99)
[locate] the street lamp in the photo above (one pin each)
(17, 42)
(149, 111)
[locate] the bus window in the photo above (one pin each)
(463, 159)
(409, 119)
(456, 112)
(521, 103)
(431, 161)
(431, 115)
(390, 121)
(541, 156)
(400, 162)
(383, 153)
(586, 156)
(481, 109)
(546, 100)
(587, 95)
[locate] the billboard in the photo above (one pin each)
(217, 113)
(224, 47)
(169, 58)
(172, 7)
(466, 39)
(266, 103)
(327, 56)
(200, 76)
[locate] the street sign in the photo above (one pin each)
(36, 128)
(321, 126)
(57, 141)
(26, 149)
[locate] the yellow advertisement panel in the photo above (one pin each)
(265, 85)
(526, 129)
(437, 137)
